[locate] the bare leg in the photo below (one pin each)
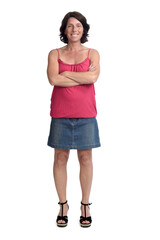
(60, 176)
(86, 175)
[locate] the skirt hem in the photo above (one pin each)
(73, 147)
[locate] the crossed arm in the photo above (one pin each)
(70, 79)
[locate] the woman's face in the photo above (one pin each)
(74, 30)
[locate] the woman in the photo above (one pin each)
(73, 70)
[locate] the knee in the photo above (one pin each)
(61, 157)
(85, 160)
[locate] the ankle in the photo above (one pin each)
(63, 200)
(85, 201)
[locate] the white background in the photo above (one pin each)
(125, 191)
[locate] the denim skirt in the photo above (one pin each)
(74, 133)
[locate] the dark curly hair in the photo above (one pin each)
(81, 19)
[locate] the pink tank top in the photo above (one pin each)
(77, 101)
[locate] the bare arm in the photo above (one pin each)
(86, 77)
(56, 79)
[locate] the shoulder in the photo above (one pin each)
(53, 54)
(94, 55)
(94, 52)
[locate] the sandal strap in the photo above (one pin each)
(85, 204)
(85, 219)
(62, 207)
(64, 218)
(63, 203)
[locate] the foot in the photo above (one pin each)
(65, 210)
(87, 213)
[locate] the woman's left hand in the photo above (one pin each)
(92, 68)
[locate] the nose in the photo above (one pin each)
(74, 28)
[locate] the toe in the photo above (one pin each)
(84, 222)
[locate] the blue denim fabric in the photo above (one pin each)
(74, 133)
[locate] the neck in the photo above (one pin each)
(74, 46)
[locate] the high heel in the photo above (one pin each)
(63, 218)
(82, 219)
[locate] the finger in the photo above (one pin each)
(92, 68)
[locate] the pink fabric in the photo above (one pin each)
(73, 102)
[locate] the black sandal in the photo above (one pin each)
(85, 218)
(64, 218)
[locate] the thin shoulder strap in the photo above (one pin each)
(89, 51)
(58, 52)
